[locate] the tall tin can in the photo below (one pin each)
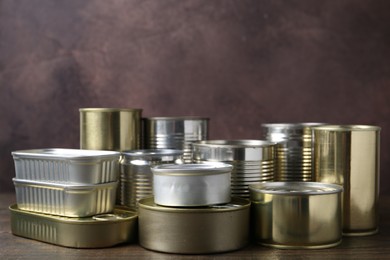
(349, 155)
(115, 129)
(175, 133)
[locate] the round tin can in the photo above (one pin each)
(136, 175)
(205, 230)
(348, 155)
(191, 185)
(175, 133)
(296, 215)
(252, 160)
(115, 129)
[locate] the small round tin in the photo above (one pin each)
(204, 230)
(296, 215)
(191, 185)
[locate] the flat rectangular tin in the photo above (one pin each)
(93, 232)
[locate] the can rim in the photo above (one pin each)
(172, 118)
(107, 109)
(341, 128)
(65, 153)
(192, 169)
(151, 152)
(235, 143)
(292, 125)
(295, 188)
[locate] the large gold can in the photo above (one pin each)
(349, 155)
(115, 129)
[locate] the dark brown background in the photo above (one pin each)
(241, 63)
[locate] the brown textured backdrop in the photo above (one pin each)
(241, 63)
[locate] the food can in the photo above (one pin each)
(348, 155)
(175, 133)
(296, 215)
(293, 149)
(252, 160)
(98, 231)
(68, 200)
(203, 230)
(191, 185)
(67, 165)
(136, 175)
(115, 129)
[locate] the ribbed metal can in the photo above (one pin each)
(348, 155)
(252, 160)
(293, 149)
(136, 177)
(174, 133)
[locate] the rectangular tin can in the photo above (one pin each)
(348, 155)
(69, 200)
(67, 165)
(98, 231)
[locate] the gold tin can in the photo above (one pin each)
(115, 129)
(296, 215)
(348, 155)
(99, 231)
(202, 230)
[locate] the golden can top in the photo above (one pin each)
(192, 169)
(347, 128)
(295, 188)
(102, 109)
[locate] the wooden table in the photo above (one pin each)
(369, 247)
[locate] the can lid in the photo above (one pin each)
(291, 125)
(174, 118)
(347, 128)
(295, 188)
(65, 153)
(209, 168)
(103, 109)
(151, 153)
(239, 143)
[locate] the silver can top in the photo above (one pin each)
(295, 188)
(192, 169)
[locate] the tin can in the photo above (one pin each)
(204, 230)
(175, 133)
(191, 185)
(348, 155)
(293, 149)
(296, 215)
(136, 174)
(98, 231)
(115, 129)
(252, 160)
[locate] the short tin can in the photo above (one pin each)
(204, 230)
(191, 185)
(296, 215)
(104, 230)
(348, 155)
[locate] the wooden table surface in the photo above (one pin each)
(369, 247)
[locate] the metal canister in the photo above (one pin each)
(202, 230)
(136, 175)
(191, 185)
(175, 133)
(252, 160)
(296, 215)
(293, 149)
(115, 129)
(349, 155)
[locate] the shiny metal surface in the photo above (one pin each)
(203, 230)
(296, 215)
(69, 200)
(67, 165)
(97, 231)
(175, 133)
(191, 185)
(116, 129)
(349, 155)
(136, 175)
(252, 160)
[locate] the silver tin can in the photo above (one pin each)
(191, 185)
(293, 149)
(348, 155)
(175, 133)
(296, 215)
(136, 174)
(252, 160)
(204, 230)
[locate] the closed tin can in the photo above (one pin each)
(191, 185)
(296, 215)
(348, 155)
(98, 231)
(115, 129)
(252, 160)
(204, 230)
(136, 174)
(175, 133)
